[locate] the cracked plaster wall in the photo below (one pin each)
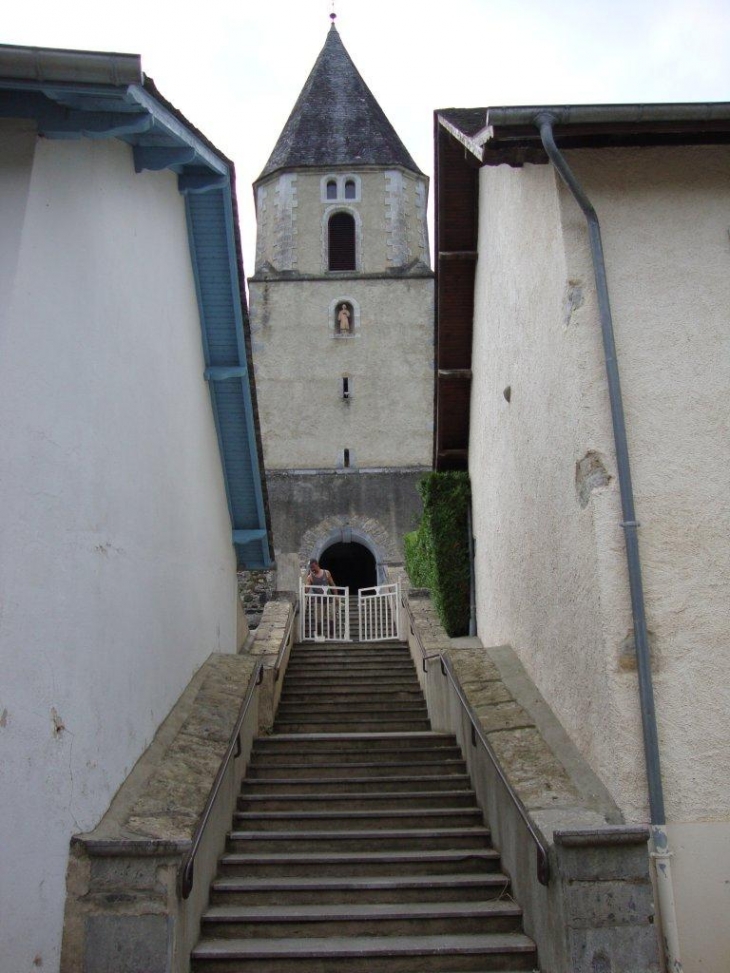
(551, 575)
(117, 576)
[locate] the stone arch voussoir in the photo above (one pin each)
(361, 530)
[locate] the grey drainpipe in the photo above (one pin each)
(472, 592)
(544, 122)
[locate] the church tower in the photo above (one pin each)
(342, 327)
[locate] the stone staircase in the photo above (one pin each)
(358, 845)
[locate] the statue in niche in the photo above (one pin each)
(344, 315)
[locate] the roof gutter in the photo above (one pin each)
(544, 122)
(610, 114)
(45, 65)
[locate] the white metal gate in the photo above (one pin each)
(378, 613)
(325, 613)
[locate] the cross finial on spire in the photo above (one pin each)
(333, 15)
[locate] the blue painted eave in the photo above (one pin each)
(162, 139)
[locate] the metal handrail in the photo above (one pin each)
(285, 641)
(543, 860)
(233, 751)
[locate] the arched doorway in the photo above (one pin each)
(351, 565)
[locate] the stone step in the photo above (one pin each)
(332, 671)
(343, 755)
(356, 801)
(252, 863)
(360, 721)
(344, 685)
(407, 782)
(360, 656)
(389, 647)
(355, 694)
(366, 707)
(341, 820)
(361, 919)
(460, 887)
(323, 655)
(364, 839)
(394, 664)
(369, 742)
(401, 764)
(511, 952)
(324, 675)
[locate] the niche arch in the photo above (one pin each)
(332, 314)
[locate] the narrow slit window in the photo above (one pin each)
(346, 458)
(345, 387)
(341, 242)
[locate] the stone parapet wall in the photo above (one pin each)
(255, 588)
(124, 910)
(272, 627)
(597, 911)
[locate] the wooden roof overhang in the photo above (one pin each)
(456, 211)
(465, 140)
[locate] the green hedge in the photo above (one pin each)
(437, 553)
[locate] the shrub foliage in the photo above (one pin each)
(437, 553)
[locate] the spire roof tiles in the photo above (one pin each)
(337, 121)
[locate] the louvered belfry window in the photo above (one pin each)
(341, 241)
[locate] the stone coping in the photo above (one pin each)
(559, 791)
(600, 837)
(157, 808)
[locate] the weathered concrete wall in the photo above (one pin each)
(307, 508)
(117, 575)
(544, 475)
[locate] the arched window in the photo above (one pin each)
(331, 189)
(341, 242)
(350, 189)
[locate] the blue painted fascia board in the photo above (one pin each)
(237, 369)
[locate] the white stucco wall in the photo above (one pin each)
(551, 575)
(117, 575)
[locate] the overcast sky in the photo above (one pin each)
(235, 67)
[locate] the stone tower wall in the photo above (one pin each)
(389, 209)
(300, 361)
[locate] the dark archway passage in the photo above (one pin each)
(351, 565)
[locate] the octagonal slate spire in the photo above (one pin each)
(337, 121)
